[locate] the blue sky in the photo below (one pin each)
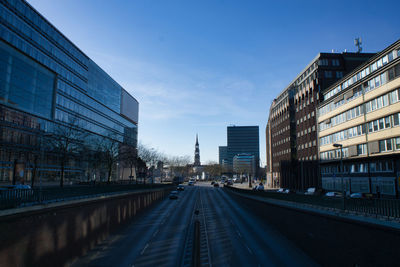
(199, 66)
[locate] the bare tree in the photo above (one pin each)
(213, 168)
(109, 149)
(179, 165)
(129, 158)
(67, 140)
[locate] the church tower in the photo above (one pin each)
(197, 153)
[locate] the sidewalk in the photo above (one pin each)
(364, 218)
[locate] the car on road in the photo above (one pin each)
(333, 194)
(190, 183)
(173, 195)
(212, 182)
(229, 182)
(180, 187)
(216, 184)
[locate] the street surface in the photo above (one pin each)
(230, 236)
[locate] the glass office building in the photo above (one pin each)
(243, 139)
(47, 82)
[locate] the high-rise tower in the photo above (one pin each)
(197, 153)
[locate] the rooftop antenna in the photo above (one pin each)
(358, 43)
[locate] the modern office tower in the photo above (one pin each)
(358, 126)
(244, 164)
(50, 93)
(292, 120)
(243, 139)
(222, 153)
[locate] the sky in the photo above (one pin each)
(197, 67)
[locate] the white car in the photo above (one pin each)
(356, 195)
(333, 194)
(310, 191)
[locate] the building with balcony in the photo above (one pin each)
(358, 121)
(48, 85)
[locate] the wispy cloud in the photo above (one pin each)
(168, 94)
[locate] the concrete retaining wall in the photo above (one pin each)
(56, 234)
(329, 240)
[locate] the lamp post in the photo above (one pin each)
(342, 174)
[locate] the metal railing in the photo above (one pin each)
(373, 206)
(13, 198)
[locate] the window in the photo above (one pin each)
(376, 126)
(387, 122)
(361, 149)
(397, 145)
(381, 124)
(385, 145)
(396, 119)
(328, 74)
(389, 144)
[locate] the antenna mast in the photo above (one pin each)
(358, 43)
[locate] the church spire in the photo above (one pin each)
(197, 152)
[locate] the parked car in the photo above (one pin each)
(356, 195)
(216, 184)
(180, 187)
(190, 183)
(173, 195)
(229, 182)
(212, 182)
(333, 194)
(310, 191)
(287, 191)
(280, 190)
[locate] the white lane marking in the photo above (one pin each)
(156, 232)
(238, 233)
(248, 249)
(141, 253)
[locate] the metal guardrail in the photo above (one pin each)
(380, 207)
(13, 198)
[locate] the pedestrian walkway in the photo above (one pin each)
(373, 219)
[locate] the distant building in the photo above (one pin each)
(197, 153)
(223, 154)
(244, 163)
(243, 139)
(359, 121)
(292, 159)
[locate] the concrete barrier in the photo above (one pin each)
(58, 233)
(330, 240)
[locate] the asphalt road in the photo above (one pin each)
(230, 236)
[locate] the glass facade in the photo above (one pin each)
(25, 84)
(46, 81)
(243, 139)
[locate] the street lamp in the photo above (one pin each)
(342, 170)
